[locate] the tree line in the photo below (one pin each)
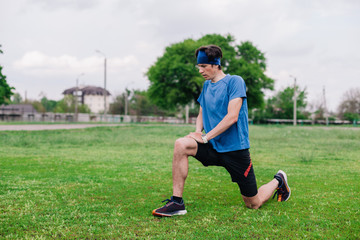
(65, 105)
(176, 83)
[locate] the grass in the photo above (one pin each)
(103, 183)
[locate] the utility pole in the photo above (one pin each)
(294, 99)
(126, 103)
(77, 97)
(325, 108)
(104, 91)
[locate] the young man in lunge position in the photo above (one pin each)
(223, 115)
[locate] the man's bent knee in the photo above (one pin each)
(180, 144)
(186, 146)
(252, 202)
(252, 206)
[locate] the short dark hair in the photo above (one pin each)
(212, 51)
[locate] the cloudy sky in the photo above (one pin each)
(48, 44)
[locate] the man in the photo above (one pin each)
(223, 115)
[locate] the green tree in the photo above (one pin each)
(142, 106)
(175, 81)
(173, 78)
(5, 89)
(83, 108)
(138, 104)
(250, 64)
(118, 105)
(16, 98)
(281, 106)
(48, 104)
(38, 106)
(67, 105)
(349, 107)
(351, 116)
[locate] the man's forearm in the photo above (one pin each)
(230, 118)
(225, 124)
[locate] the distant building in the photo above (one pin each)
(92, 96)
(17, 112)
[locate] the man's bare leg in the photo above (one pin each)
(184, 147)
(264, 194)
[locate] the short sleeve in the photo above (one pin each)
(236, 88)
(201, 97)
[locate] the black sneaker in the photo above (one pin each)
(283, 191)
(171, 208)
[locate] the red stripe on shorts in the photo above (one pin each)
(248, 170)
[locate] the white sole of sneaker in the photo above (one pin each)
(181, 212)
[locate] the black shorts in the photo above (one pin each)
(237, 163)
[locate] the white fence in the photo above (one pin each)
(311, 122)
(84, 117)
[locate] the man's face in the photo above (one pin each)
(208, 71)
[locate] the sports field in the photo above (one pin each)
(103, 183)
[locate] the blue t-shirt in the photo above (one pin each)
(214, 100)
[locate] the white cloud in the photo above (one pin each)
(38, 63)
(54, 5)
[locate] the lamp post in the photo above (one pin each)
(105, 94)
(294, 99)
(76, 96)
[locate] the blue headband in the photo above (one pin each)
(202, 58)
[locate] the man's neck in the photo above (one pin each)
(218, 76)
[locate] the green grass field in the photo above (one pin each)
(103, 183)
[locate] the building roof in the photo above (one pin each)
(87, 90)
